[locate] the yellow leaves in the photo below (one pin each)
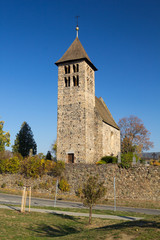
(4, 137)
(155, 163)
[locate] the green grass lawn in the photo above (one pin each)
(15, 225)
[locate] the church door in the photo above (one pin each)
(70, 157)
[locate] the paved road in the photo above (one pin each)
(15, 199)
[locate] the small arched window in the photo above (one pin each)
(67, 69)
(76, 80)
(67, 81)
(75, 67)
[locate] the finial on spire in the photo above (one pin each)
(77, 28)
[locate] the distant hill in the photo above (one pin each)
(151, 155)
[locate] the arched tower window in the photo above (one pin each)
(75, 67)
(67, 81)
(67, 69)
(76, 80)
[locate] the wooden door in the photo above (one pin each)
(70, 157)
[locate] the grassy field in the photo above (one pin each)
(15, 225)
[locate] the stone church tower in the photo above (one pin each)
(86, 130)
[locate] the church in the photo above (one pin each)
(86, 130)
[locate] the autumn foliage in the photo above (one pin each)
(4, 137)
(92, 191)
(134, 136)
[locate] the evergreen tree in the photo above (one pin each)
(48, 156)
(24, 141)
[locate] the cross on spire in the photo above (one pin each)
(77, 28)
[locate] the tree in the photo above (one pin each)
(92, 191)
(24, 141)
(4, 137)
(134, 136)
(54, 148)
(48, 156)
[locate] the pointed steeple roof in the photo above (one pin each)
(75, 52)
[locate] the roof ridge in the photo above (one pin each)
(107, 108)
(105, 113)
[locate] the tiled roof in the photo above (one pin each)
(75, 52)
(104, 112)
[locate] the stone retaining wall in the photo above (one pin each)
(138, 182)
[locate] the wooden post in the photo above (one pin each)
(29, 198)
(23, 196)
(56, 193)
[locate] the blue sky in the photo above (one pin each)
(122, 39)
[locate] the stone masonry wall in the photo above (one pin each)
(138, 182)
(75, 125)
(111, 140)
(71, 130)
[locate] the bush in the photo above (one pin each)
(58, 168)
(19, 183)
(155, 162)
(3, 185)
(35, 167)
(127, 159)
(63, 185)
(2, 165)
(11, 165)
(107, 159)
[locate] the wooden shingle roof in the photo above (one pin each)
(105, 113)
(75, 52)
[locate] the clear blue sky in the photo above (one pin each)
(122, 39)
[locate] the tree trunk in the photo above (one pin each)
(90, 214)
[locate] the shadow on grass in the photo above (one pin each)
(59, 229)
(139, 223)
(55, 230)
(64, 216)
(12, 207)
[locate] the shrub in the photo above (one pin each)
(35, 167)
(63, 185)
(127, 159)
(20, 184)
(2, 165)
(107, 159)
(58, 168)
(11, 165)
(3, 185)
(155, 162)
(31, 167)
